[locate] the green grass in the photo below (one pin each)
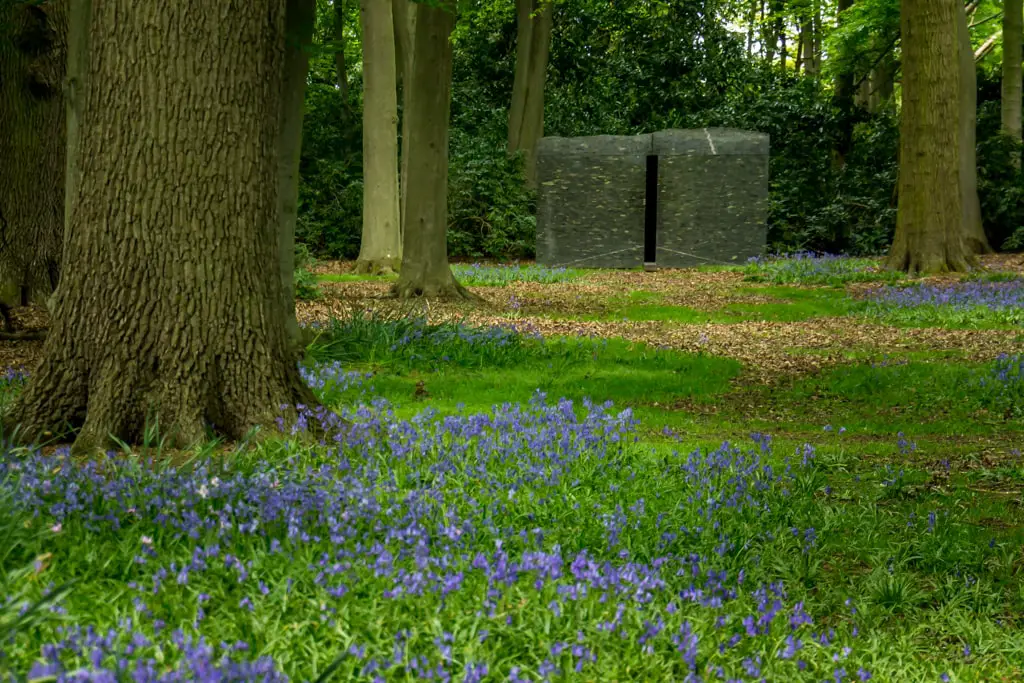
(847, 525)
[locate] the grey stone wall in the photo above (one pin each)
(712, 198)
(590, 200)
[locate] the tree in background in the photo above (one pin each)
(300, 22)
(1013, 37)
(425, 268)
(929, 226)
(165, 315)
(33, 55)
(526, 113)
(404, 15)
(973, 231)
(380, 250)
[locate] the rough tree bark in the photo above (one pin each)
(299, 22)
(974, 232)
(1013, 36)
(929, 224)
(425, 268)
(33, 54)
(526, 113)
(381, 248)
(164, 310)
(404, 15)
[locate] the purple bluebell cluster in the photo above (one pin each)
(1003, 385)
(498, 275)
(807, 267)
(1001, 301)
(521, 544)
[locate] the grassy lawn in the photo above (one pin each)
(491, 498)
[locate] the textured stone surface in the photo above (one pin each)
(712, 196)
(590, 201)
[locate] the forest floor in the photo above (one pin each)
(818, 476)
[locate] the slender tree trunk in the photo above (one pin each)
(780, 31)
(987, 46)
(425, 269)
(816, 42)
(974, 232)
(801, 40)
(1013, 37)
(300, 21)
(929, 225)
(340, 67)
(843, 100)
(381, 247)
(165, 315)
(33, 54)
(404, 15)
(526, 113)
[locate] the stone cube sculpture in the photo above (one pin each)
(675, 198)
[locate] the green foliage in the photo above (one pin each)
(306, 288)
(1000, 182)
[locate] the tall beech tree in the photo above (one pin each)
(526, 113)
(404, 16)
(165, 311)
(300, 22)
(425, 268)
(33, 55)
(1013, 37)
(381, 246)
(974, 231)
(929, 224)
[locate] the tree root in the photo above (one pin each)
(448, 291)
(377, 266)
(23, 335)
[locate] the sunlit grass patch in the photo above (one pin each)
(808, 268)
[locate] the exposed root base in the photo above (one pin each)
(929, 264)
(384, 266)
(116, 404)
(450, 291)
(23, 335)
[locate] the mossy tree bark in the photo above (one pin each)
(929, 224)
(299, 22)
(526, 113)
(425, 268)
(974, 231)
(165, 314)
(1013, 37)
(380, 250)
(33, 54)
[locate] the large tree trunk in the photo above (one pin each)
(33, 54)
(165, 314)
(425, 269)
(340, 68)
(929, 225)
(526, 113)
(1013, 36)
(404, 15)
(300, 19)
(381, 247)
(974, 232)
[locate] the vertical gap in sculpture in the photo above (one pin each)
(651, 214)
